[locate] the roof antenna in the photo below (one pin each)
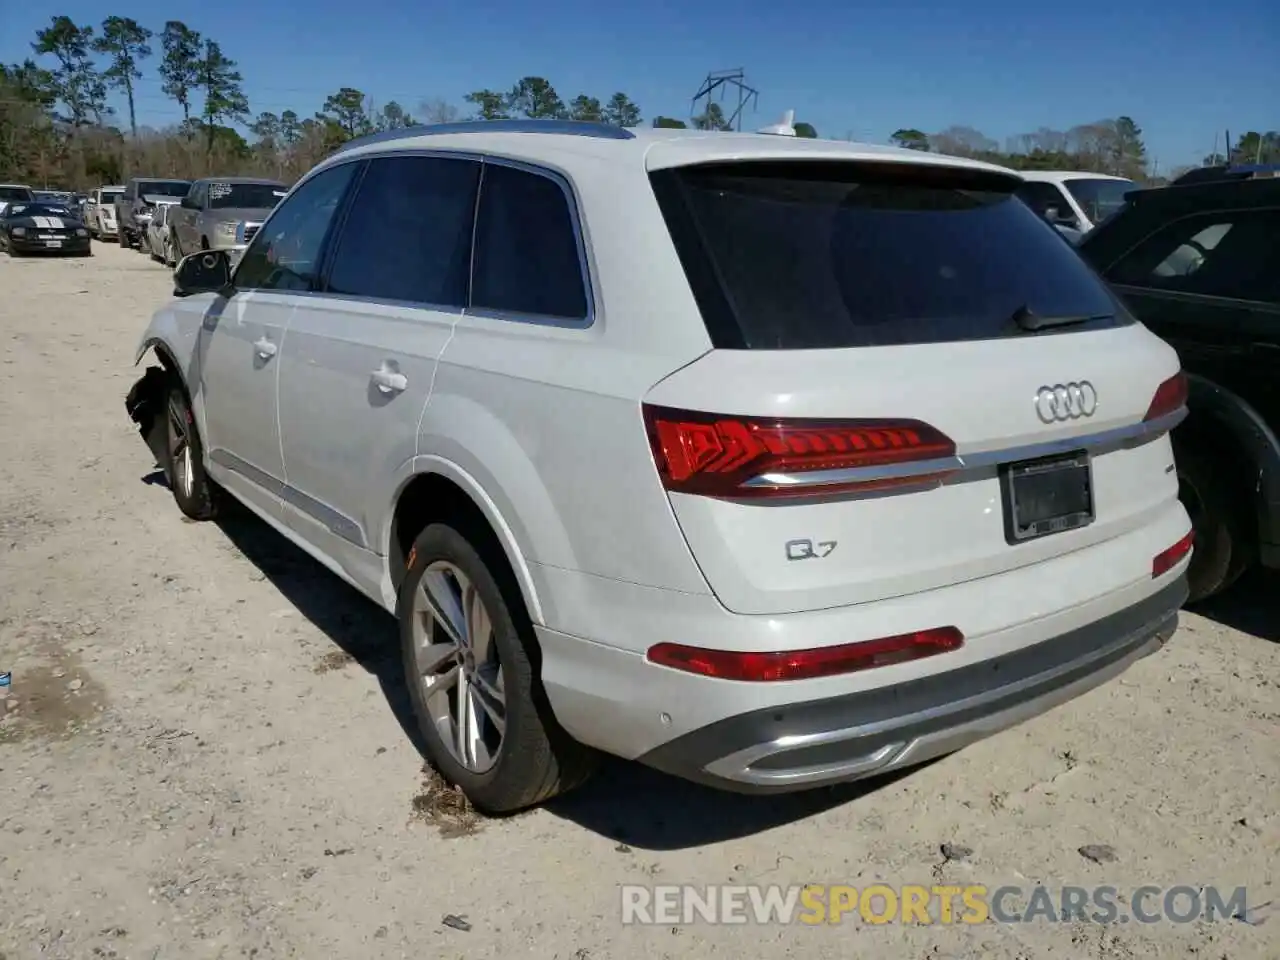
(783, 128)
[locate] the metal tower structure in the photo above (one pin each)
(720, 81)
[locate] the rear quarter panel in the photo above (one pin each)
(547, 417)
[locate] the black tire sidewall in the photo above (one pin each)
(1221, 544)
(497, 789)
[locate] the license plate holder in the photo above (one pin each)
(1046, 496)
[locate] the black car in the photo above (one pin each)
(37, 227)
(1199, 264)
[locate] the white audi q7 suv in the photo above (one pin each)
(769, 462)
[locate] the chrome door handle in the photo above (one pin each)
(266, 349)
(388, 381)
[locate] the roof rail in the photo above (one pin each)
(573, 128)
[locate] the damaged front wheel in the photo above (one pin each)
(195, 493)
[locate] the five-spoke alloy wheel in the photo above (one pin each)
(458, 666)
(471, 662)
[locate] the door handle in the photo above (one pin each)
(1262, 345)
(266, 349)
(389, 381)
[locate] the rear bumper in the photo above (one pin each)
(843, 738)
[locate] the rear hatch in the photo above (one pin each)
(915, 382)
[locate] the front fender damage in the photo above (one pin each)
(146, 405)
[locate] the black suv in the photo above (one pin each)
(1199, 264)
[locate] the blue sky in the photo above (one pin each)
(1182, 68)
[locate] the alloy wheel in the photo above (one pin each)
(457, 666)
(180, 450)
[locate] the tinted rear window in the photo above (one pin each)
(828, 255)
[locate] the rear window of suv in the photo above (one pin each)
(817, 254)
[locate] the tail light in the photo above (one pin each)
(1166, 560)
(806, 664)
(750, 457)
(1170, 396)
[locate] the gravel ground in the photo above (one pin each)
(208, 755)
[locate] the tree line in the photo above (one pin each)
(1112, 146)
(56, 126)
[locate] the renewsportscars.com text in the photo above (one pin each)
(671, 905)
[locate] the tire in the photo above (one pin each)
(530, 758)
(197, 496)
(1223, 547)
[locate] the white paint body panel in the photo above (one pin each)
(980, 394)
(541, 425)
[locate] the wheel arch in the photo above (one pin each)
(439, 490)
(1219, 415)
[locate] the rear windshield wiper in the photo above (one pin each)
(1032, 322)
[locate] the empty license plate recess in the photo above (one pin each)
(1046, 496)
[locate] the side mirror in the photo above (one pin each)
(189, 203)
(205, 272)
(1060, 218)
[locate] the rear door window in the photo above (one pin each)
(801, 255)
(1232, 254)
(407, 235)
(526, 255)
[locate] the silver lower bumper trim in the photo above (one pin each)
(742, 766)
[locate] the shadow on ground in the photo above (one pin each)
(358, 627)
(624, 801)
(644, 808)
(1251, 606)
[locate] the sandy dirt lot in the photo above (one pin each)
(208, 754)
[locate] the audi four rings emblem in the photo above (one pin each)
(1066, 401)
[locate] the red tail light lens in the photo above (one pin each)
(736, 457)
(807, 664)
(1166, 560)
(1170, 396)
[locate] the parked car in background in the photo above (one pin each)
(14, 191)
(1233, 171)
(863, 464)
(1077, 201)
(41, 227)
(100, 212)
(159, 243)
(223, 213)
(136, 204)
(1199, 264)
